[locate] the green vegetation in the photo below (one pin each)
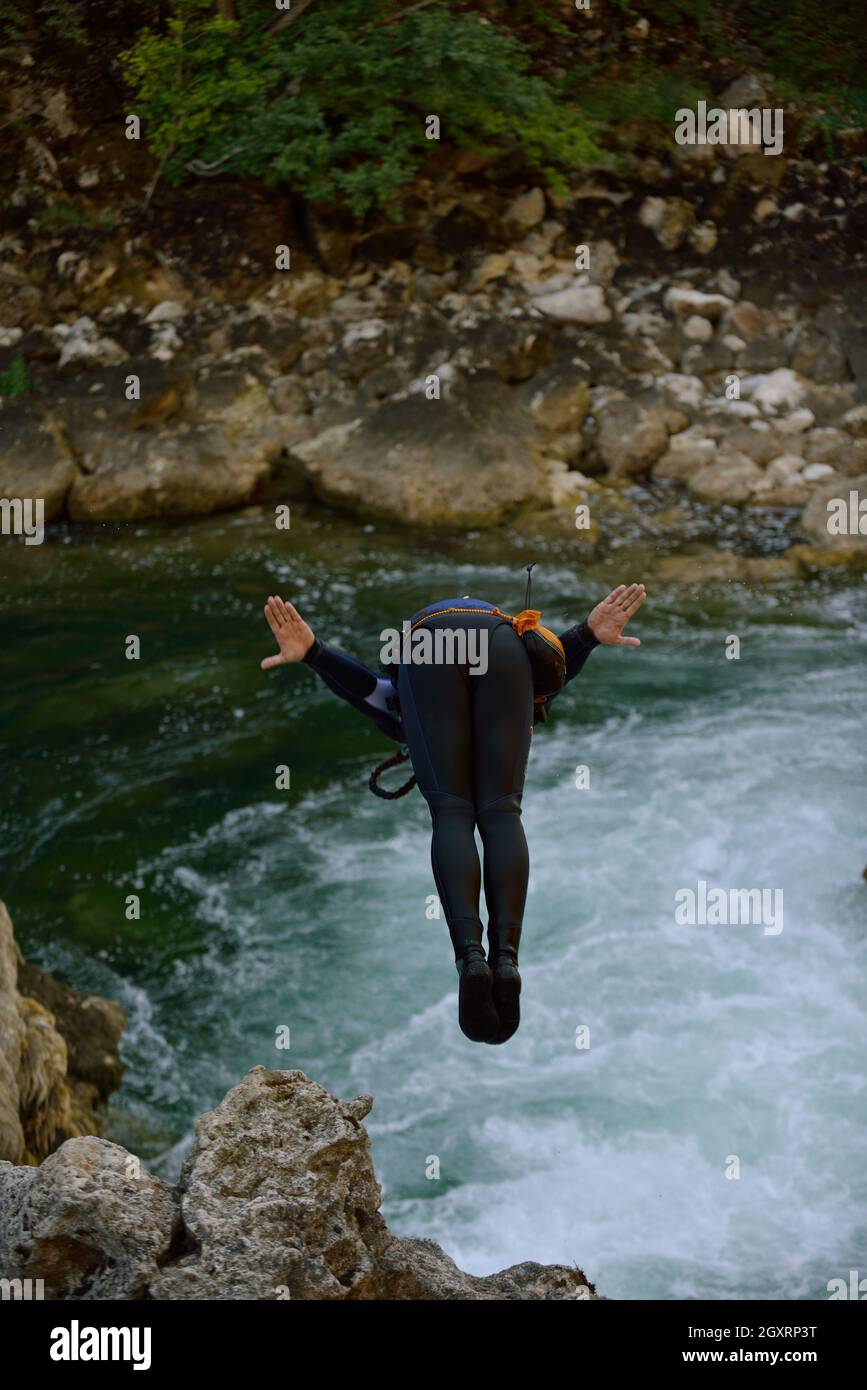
(329, 99)
(816, 47)
(649, 96)
(65, 21)
(334, 104)
(14, 381)
(831, 113)
(57, 217)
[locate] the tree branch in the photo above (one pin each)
(288, 18)
(393, 19)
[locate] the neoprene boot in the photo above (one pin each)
(478, 1019)
(503, 943)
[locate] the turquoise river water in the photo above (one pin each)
(307, 907)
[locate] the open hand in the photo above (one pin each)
(294, 637)
(610, 617)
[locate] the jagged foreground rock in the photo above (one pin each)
(277, 1199)
(58, 1056)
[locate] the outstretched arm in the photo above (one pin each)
(371, 695)
(604, 626)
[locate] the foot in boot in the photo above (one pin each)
(478, 1019)
(506, 989)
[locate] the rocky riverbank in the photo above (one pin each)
(59, 1057)
(504, 354)
(277, 1198)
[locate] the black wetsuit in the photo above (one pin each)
(469, 740)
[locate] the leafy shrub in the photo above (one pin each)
(335, 104)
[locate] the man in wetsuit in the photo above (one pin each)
(468, 732)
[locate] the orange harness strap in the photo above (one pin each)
(525, 621)
(491, 612)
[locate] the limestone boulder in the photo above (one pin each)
(467, 458)
(731, 478)
(277, 1200)
(90, 1221)
(633, 434)
(189, 472)
(836, 514)
(36, 460)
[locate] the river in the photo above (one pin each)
(263, 909)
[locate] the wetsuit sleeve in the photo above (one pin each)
(373, 696)
(578, 642)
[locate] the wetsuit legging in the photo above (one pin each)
(469, 740)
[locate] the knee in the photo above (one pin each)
(504, 811)
(448, 809)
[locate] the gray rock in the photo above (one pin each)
(36, 460)
(784, 468)
(789, 495)
(288, 396)
(468, 458)
(91, 1026)
(514, 348)
(11, 1041)
(724, 566)
(215, 452)
(764, 355)
(698, 329)
(824, 444)
(604, 261)
(796, 423)
(828, 401)
(89, 1221)
(761, 445)
(58, 1057)
(687, 453)
(852, 459)
(816, 355)
(169, 311)
(185, 473)
(855, 421)
(577, 304)
(364, 346)
(731, 478)
(780, 390)
(783, 485)
(277, 1199)
(524, 212)
(704, 237)
(421, 1269)
(747, 320)
(82, 342)
(670, 219)
(279, 1192)
(683, 391)
(816, 471)
(710, 360)
(687, 304)
(744, 91)
(558, 399)
(844, 525)
(632, 436)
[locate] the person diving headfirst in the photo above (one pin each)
(468, 729)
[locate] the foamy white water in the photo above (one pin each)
(708, 1043)
(307, 911)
